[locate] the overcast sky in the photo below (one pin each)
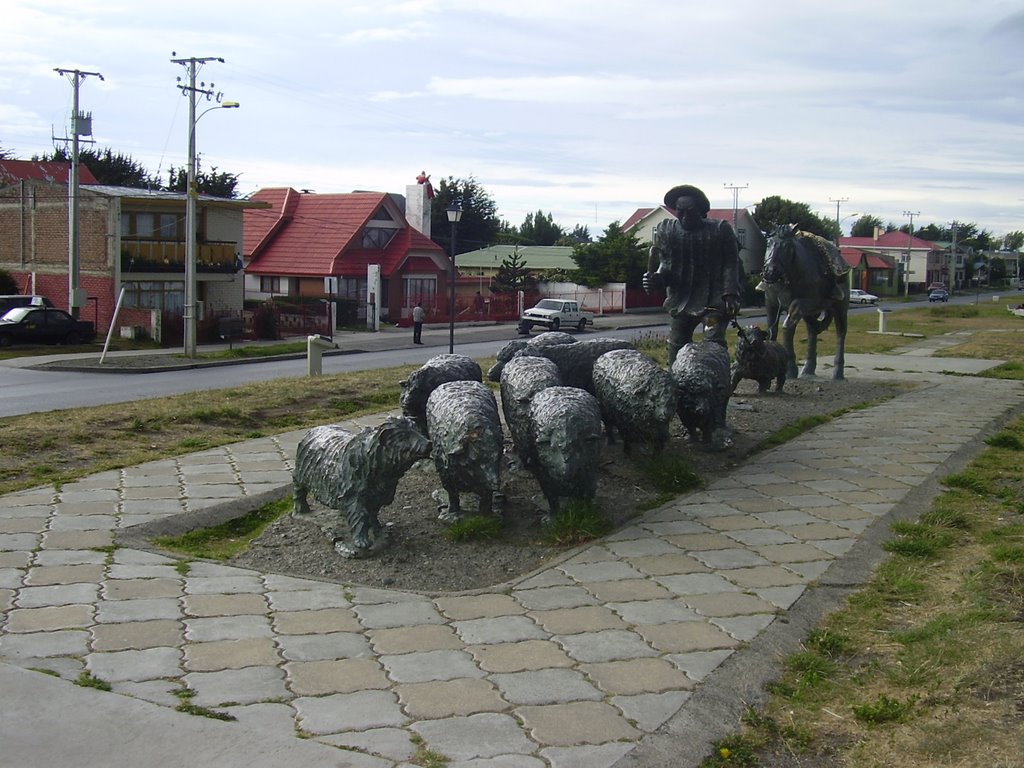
(585, 110)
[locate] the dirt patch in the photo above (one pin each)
(419, 556)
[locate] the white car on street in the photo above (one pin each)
(857, 296)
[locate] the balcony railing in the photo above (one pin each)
(169, 256)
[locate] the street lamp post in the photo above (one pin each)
(454, 216)
(191, 233)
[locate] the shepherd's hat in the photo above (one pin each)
(687, 190)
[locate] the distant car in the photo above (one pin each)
(939, 294)
(937, 287)
(857, 296)
(43, 325)
(12, 300)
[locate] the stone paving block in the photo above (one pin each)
(316, 622)
(6, 599)
(810, 571)
(265, 717)
(60, 594)
(40, 645)
(227, 628)
(727, 523)
(423, 637)
(204, 606)
(48, 619)
(69, 557)
(545, 686)
(791, 517)
(816, 531)
(765, 577)
(744, 627)
(15, 559)
(237, 686)
(78, 497)
(12, 510)
(83, 523)
(606, 645)
(397, 614)
(790, 553)
(675, 528)
(654, 611)
(151, 507)
(430, 665)
(160, 692)
(230, 654)
(222, 585)
(685, 637)
(750, 506)
(587, 618)
(317, 678)
(578, 722)
(596, 553)
(23, 524)
(836, 547)
(332, 645)
(449, 698)
(728, 604)
(643, 547)
(725, 559)
(519, 657)
(696, 507)
(12, 578)
(140, 589)
(549, 598)
(634, 676)
(665, 565)
(605, 571)
(143, 571)
(146, 664)
(586, 756)
(113, 611)
(547, 578)
(780, 597)
(760, 536)
(136, 635)
(18, 542)
(696, 584)
(275, 582)
(699, 664)
(349, 712)
(692, 542)
(477, 736)
(149, 493)
(650, 711)
(500, 629)
(390, 743)
(463, 607)
(624, 591)
(64, 574)
(308, 600)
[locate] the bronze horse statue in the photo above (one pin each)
(799, 280)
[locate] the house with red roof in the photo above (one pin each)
(752, 241)
(889, 263)
(13, 171)
(341, 247)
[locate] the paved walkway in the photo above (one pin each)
(634, 651)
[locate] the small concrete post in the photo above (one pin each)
(882, 317)
(315, 346)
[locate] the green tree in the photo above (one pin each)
(774, 211)
(580, 234)
(513, 274)
(616, 257)
(1013, 241)
(109, 167)
(479, 225)
(540, 229)
(865, 226)
(217, 184)
(6, 154)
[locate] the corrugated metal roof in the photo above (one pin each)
(534, 256)
(12, 171)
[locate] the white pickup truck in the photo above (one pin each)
(554, 314)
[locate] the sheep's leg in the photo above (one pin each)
(301, 506)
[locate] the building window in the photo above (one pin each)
(166, 296)
(377, 238)
(152, 226)
(270, 284)
(381, 214)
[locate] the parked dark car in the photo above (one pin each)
(938, 295)
(12, 300)
(43, 325)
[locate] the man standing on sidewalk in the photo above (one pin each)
(418, 316)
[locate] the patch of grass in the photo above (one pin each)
(194, 709)
(88, 680)
(426, 758)
(224, 541)
(1007, 440)
(967, 481)
(578, 523)
(671, 473)
(739, 751)
(475, 528)
(884, 710)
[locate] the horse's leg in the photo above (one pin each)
(839, 363)
(788, 332)
(811, 363)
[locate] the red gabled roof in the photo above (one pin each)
(720, 214)
(12, 171)
(312, 235)
(890, 240)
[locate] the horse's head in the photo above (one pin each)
(779, 253)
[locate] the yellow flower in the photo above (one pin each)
(724, 752)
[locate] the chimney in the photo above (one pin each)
(417, 208)
(877, 233)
